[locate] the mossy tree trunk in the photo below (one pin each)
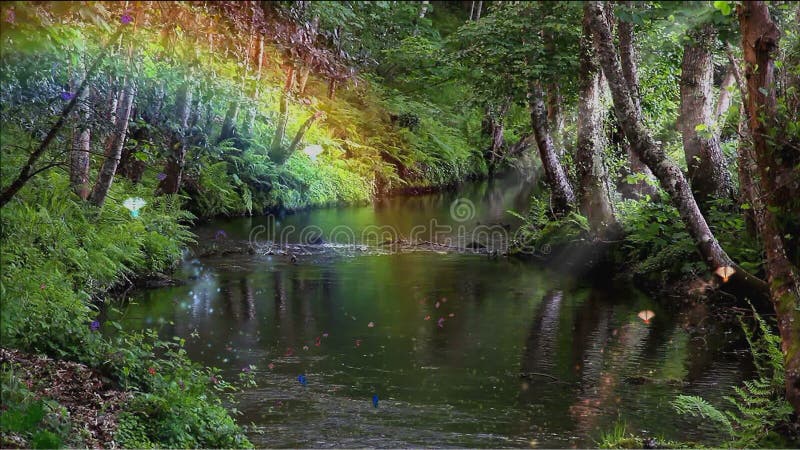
(593, 192)
(704, 159)
(561, 192)
(628, 57)
(173, 171)
(667, 171)
(760, 37)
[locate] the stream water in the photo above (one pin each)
(461, 350)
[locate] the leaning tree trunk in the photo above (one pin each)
(667, 171)
(628, 56)
(760, 36)
(173, 172)
(281, 156)
(114, 150)
(704, 159)
(593, 192)
(561, 191)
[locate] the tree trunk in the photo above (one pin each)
(173, 172)
(229, 124)
(724, 98)
(555, 117)
(760, 36)
(332, 89)
(595, 201)
(471, 9)
(667, 172)
(27, 171)
(250, 119)
(424, 9)
(282, 156)
(283, 115)
(628, 55)
(302, 81)
(746, 165)
(493, 126)
(561, 191)
(704, 159)
(114, 151)
(478, 11)
(79, 157)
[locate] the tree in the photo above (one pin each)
(179, 141)
(760, 38)
(27, 171)
(562, 196)
(593, 192)
(505, 56)
(628, 57)
(704, 159)
(667, 171)
(114, 150)
(79, 156)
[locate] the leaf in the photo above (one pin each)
(723, 7)
(700, 127)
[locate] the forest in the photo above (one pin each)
(400, 224)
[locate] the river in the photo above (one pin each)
(458, 349)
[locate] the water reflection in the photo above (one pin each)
(522, 354)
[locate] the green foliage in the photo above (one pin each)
(541, 228)
(59, 253)
(178, 402)
(656, 240)
(758, 407)
(43, 423)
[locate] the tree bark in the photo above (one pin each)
(332, 89)
(724, 98)
(668, 173)
(282, 156)
(79, 157)
(478, 11)
(760, 37)
(302, 81)
(704, 159)
(229, 124)
(173, 172)
(283, 115)
(561, 191)
(628, 55)
(595, 201)
(555, 116)
(424, 9)
(250, 119)
(494, 126)
(106, 175)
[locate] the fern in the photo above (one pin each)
(758, 406)
(698, 407)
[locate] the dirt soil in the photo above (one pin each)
(92, 401)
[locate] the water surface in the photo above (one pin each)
(461, 350)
